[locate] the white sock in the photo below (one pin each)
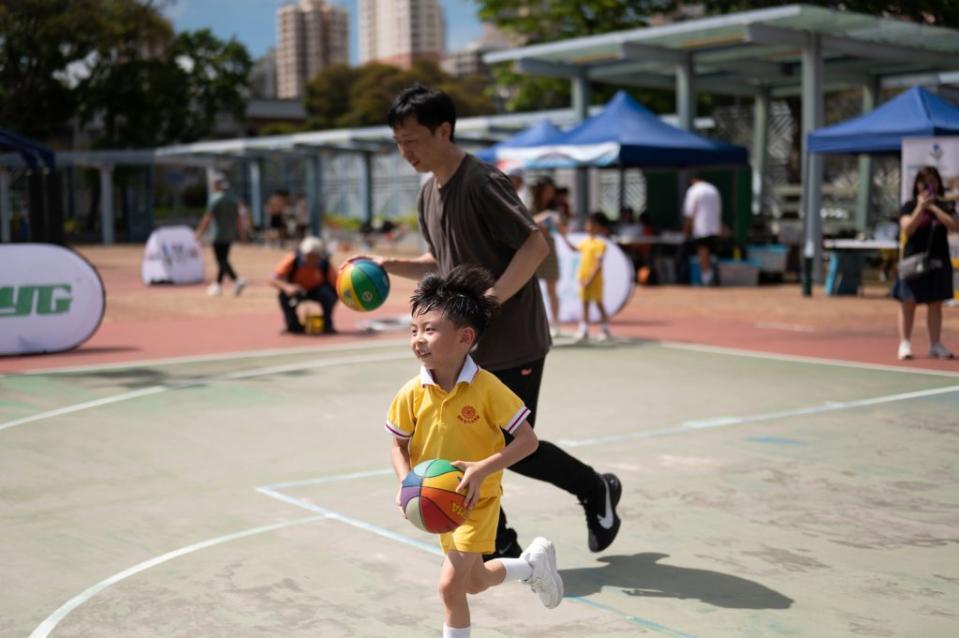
(582, 326)
(516, 568)
(707, 277)
(455, 632)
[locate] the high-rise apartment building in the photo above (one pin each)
(310, 36)
(469, 60)
(400, 31)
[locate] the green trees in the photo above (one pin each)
(341, 96)
(116, 64)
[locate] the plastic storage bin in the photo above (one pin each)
(738, 273)
(844, 276)
(771, 258)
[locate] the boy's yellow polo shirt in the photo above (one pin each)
(591, 251)
(462, 425)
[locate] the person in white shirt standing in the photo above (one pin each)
(702, 222)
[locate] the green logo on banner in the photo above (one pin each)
(22, 301)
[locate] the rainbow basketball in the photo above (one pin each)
(430, 499)
(362, 285)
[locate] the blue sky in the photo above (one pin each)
(253, 22)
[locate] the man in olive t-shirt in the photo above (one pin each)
(469, 213)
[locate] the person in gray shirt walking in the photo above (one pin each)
(226, 214)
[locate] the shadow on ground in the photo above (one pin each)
(644, 575)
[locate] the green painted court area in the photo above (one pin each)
(252, 496)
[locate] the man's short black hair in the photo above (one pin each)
(460, 295)
(430, 107)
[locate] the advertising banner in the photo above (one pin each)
(51, 299)
(940, 152)
(172, 256)
(619, 279)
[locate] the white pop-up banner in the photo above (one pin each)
(172, 256)
(51, 299)
(940, 152)
(619, 279)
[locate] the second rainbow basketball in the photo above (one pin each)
(362, 285)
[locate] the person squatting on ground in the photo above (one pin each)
(469, 214)
(592, 250)
(926, 221)
(226, 213)
(307, 274)
(448, 316)
(703, 223)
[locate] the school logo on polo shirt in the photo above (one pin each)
(468, 414)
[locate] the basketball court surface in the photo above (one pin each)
(250, 494)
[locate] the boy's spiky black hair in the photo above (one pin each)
(460, 295)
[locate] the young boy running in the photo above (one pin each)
(456, 411)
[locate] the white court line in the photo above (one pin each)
(349, 520)
(126, 396)
(51, 621)
(721, 422)
(225, 356)
(329, 479)
(188, 383)
(794, 358)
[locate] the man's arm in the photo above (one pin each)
(204, 223)
(409, 268)
(521, 267)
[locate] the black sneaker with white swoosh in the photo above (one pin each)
(601, 517)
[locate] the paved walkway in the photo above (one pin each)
(159, 322)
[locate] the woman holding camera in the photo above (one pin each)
(925, 222)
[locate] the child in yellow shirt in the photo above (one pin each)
(590, 273)
(456, 411)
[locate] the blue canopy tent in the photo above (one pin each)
(32, 153)
(627, 134)
(543, 132)
(915, 113)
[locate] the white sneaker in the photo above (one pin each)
(905, 350)
(605, 334)
(214, 290)
(939, 351)
(239, 286)
(545, 581)
(553, 332)
(582, 334)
